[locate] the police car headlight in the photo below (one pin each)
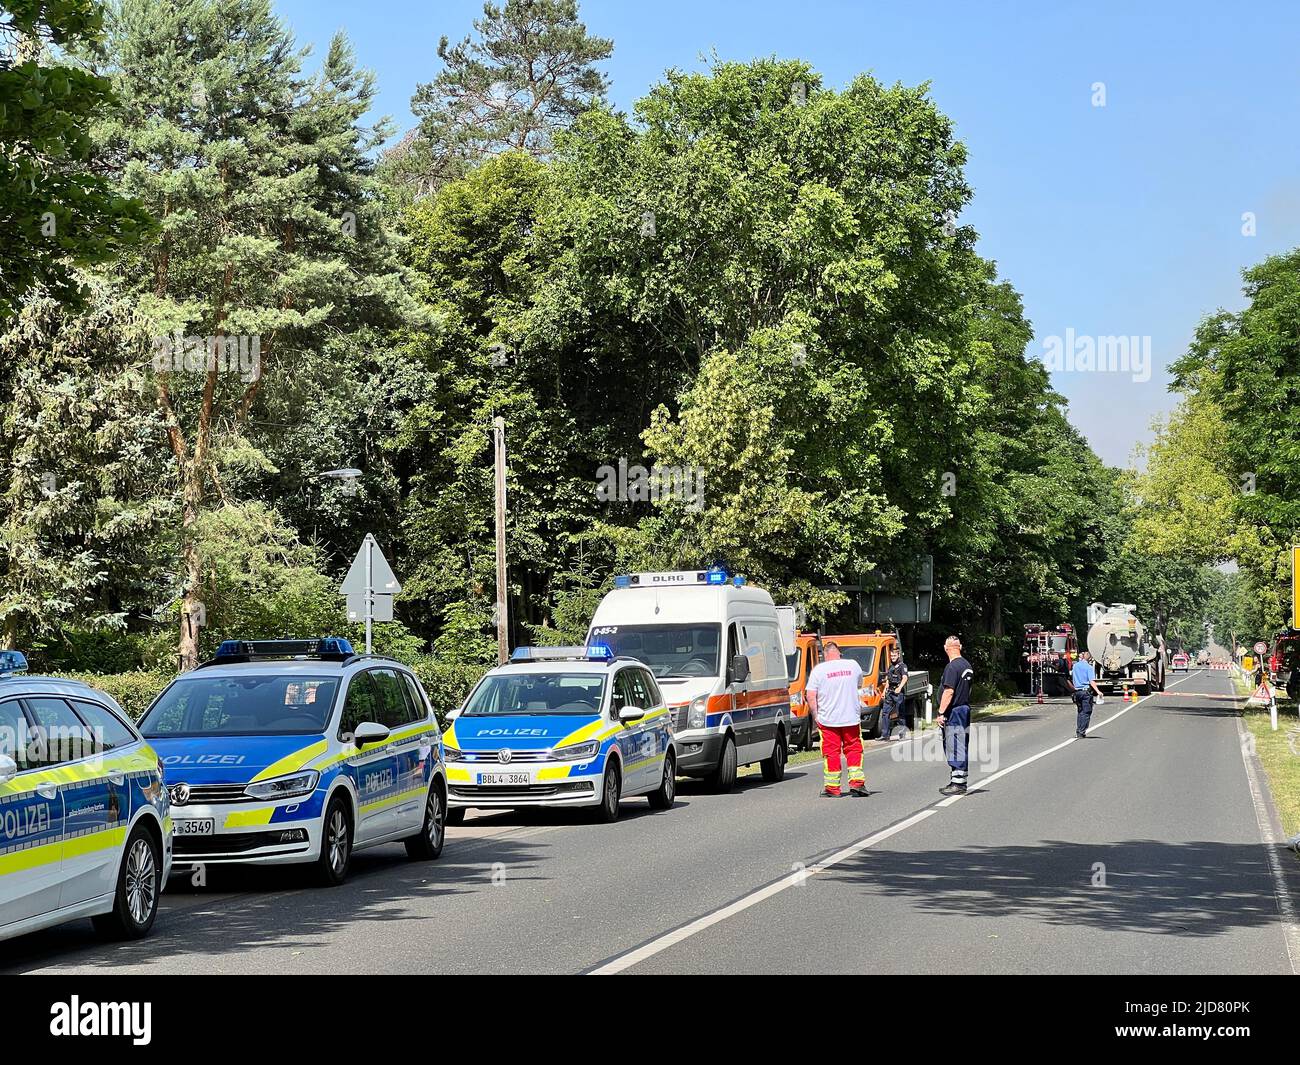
(697, 716)
(451, 754)
(284, 787)
(577, 752)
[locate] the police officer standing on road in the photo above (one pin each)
(895, 680)
(834, 700)
(954, 715)
(1084, 679)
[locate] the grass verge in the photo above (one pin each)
(1279, 753)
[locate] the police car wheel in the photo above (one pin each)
(662, 798)
(139, 883)
(723, 778)
(611, 788)
(774, 768)
(427, 845)
(335, 844)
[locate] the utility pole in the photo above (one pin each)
(503, 626)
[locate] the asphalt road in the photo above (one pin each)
(1138, 850)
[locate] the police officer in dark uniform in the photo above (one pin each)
(895, 679)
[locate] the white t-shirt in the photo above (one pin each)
(836, 684)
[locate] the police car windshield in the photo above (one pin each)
(537, 693)
(669, 650)
(250, 705)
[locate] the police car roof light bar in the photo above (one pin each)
(12, 662)
(325, 649)
(594, 653)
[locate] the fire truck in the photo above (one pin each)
(1046, 659)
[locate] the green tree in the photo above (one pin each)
(83, 534)
(56, 211)
(531, 71)
(270, 236)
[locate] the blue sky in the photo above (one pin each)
(1120, 220)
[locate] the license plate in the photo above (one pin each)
(517, 779)
(202, 826)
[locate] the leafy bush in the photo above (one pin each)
(134, 690)
(446, 682)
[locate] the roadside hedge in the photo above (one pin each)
(446, 683)
(134, 690)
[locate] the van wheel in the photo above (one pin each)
(139, 883)
(723, 778)
(611, 788)
(662, 797)
(774, 768)
(336, 843)
(426, 846)
(456, 815)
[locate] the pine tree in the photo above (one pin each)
(530, 72)
(270, 237)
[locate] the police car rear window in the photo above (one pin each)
(537, 693)
(250, 705)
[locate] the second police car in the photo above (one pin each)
(299, 751)
(562, 726)
(84, 824)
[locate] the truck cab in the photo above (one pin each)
(807, 653)
(871, 652)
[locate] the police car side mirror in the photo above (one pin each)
(739, 669)
(630, 713)
(369, 732)
(8, 769)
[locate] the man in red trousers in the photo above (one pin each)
(834, 701)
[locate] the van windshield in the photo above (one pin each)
(669, 650)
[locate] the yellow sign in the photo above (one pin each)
(1248, 664)
(1295, 587)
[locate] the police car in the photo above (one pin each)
(84, 824)
(562, 726)
(299, 751)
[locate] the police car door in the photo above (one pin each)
(31, 826)
(92, 803)
(372, 768)
(630, 735)
(649, 756)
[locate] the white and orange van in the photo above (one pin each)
(717, 647)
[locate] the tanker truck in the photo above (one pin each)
(1124, 655)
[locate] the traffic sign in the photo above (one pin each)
(382, 579)
(369, 587)
(1260, 647)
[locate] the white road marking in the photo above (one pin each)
(662, 943)
(670, 939)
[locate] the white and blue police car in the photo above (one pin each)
(84, 824)
(562, 726)
(299, 751)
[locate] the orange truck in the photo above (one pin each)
(871, 652)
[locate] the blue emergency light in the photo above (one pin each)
(326, 648)
(12, 662)
(596, 652)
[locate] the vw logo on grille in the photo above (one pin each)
(504, 756)
(179, 794)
